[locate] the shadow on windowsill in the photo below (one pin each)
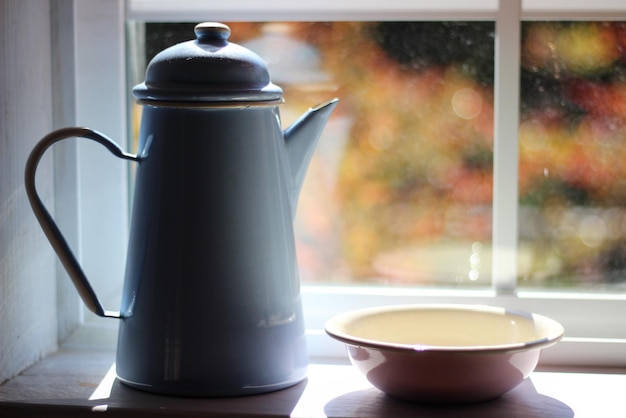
(523, 401)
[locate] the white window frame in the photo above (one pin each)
(595, 323)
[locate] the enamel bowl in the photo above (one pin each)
(444, 353)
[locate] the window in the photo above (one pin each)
(572, 125)
(399, 191)
(594, 319)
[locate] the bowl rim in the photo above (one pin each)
(332, 328)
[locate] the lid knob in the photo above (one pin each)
(207, 31)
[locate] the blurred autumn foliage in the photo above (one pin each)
(416, 167)
(402, 190)
(572, 153)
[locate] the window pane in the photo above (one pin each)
(573, 155)
(399, 191)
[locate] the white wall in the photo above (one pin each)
(28, 318)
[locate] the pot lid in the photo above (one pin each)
(208, 69)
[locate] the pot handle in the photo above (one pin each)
(48, 225)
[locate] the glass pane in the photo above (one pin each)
(400, 188)
(573, 155)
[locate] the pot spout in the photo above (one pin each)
(300, 141)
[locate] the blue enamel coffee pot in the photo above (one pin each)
(211, 299)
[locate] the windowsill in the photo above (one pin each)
(79, 382)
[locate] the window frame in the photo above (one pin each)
(91, 188)
(595, 323)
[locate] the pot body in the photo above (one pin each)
(211, 301)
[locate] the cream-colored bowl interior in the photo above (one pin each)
(446, 326)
